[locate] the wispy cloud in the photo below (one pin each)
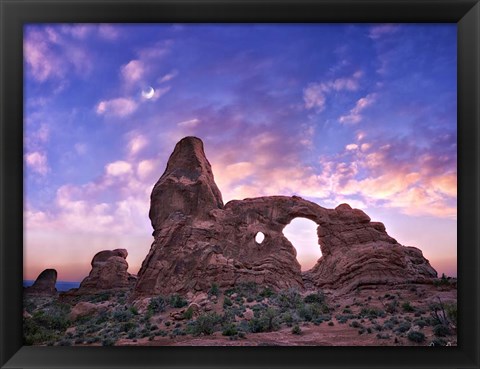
(189, 123)
(355, 116)
(37, 162)
(50, 55)
(137, 142)
(315, 94)
(133, 71)
(168, 77)
(377, 32)
(119, 107)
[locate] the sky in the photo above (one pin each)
(363, 114)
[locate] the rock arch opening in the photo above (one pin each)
(259, 237)
(302, 234)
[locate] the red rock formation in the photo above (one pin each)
(44, 284)
(109, 272)
(198, 241)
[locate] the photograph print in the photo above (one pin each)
(240, 184)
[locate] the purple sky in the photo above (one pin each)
(356, 113)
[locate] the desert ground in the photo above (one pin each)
(250, 315)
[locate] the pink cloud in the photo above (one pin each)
(355, 116)
(118, 168)
(315, 94)
(108, 32)
(189, 123)
(119, 107)
(168, 77)
(133, 71)
(37, 162)
(379, 31)
(137, 142)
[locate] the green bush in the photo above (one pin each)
(177, 301)
(440, 330)
(205, 324)
(133, 310)
(372, 313)
(420, 322)
(296, 330)
(407, 307)
(188, 314)
(403, 327)
(109, 341)
(289, 299)
(214, 290)
(157, 304)
(318, 298)
(452, 312)
(122, 315)
(267, 292)
(230, 330)
(416, 336)
(266, 320)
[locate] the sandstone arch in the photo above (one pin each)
(199, 241)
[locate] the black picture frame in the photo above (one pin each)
(14, 14)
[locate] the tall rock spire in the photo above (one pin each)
(187, 186)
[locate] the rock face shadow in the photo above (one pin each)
(199, 241)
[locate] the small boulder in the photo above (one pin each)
(86, 308)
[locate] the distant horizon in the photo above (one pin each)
(363, 114)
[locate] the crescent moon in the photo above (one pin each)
(148, 93)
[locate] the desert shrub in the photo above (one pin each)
(443, 281)
(161, 333)
(296, 330)
(205, 324)
(371, 313)
(438, 342)
(227, 302)
(452, 312)
(355, 324)
(214, 290)
(230, 330)
(36, 334)
(177, 301)
(441, 330)
(310, 312)
(392, 306)
(127, 326)
(265, 320)
(133, 310)
(122, 315)
(416, 336)
(383, 336)
(403, 327)
(267, 292)
(318, 298)
(188, 314)
(100, 297)
(108, 341)
(347, 311)
(420, 322)
(168, 323)
(330, 324)
(157, 304)
(343, 318)
(288, 299)
(407, 307)
(101, 318)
